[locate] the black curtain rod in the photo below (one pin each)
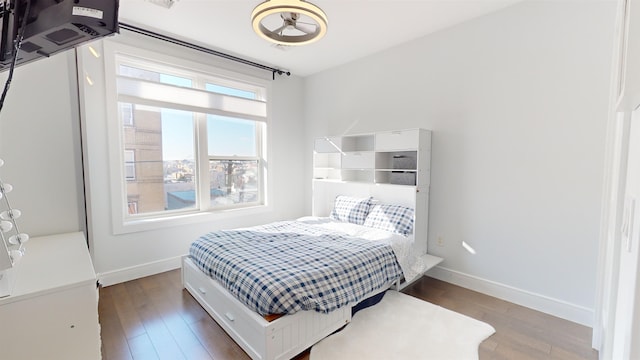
(155, 35)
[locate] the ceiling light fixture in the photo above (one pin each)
(289, 22)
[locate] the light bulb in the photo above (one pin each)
(10, 214)
(6, 226)
(18, 239)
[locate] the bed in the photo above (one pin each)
(243, 301)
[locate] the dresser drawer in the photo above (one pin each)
(397, 140)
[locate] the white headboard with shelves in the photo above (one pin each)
(393, 167)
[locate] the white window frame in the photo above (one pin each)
(121, 221)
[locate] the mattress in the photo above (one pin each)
(310, 264)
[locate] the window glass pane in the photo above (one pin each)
(155, 76)
(175, 80)
(231, 136)
(230, 91)
(161, 143)
(233, 182)
(132, 207)
(129, 165)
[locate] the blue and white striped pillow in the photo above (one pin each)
(393, 218)
(350, 209)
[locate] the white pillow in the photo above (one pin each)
(394, 218)
(350, 209)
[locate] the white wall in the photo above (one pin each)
(126, 256)
(518, 102)
(40, 143)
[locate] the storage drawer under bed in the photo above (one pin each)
(241, 324)
(282, 338)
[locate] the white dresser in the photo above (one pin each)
(52, 312)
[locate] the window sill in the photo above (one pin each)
(154, 223)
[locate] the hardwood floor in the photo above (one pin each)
(154, 318)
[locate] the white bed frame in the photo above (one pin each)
(289, 335)
(282, 338)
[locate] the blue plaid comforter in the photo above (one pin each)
(288, 266)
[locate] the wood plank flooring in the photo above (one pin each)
(154, 318)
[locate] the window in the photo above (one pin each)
(196, 143)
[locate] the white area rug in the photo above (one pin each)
(403, 327)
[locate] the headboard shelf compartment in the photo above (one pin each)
(358, 143)
(397, 160)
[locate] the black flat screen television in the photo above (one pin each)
(53, 26)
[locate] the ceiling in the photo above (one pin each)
(357, 28)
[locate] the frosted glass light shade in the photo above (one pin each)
(6, 226)
(18, 239)
(7, 188)
(10, 214)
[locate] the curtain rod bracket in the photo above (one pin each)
(279, 72)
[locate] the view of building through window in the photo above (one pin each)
(161, 156)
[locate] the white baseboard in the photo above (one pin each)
(562, 309)
(138, 271)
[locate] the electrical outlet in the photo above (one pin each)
(440, 241)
